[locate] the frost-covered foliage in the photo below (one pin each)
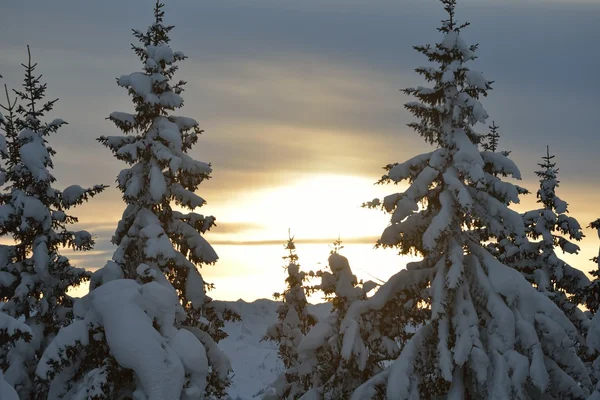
(128, 332)
(6, 389)
(321, 365)
(591, 297)
(550, 228)
(490, 333)
(34, 276)
(293, 323)
(15, 339)
(157, 245)
(501, 247)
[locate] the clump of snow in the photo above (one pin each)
(125, 118)
(184, 123)
(35, 157)
(72, 194)
(162, 360)
(7, 392)
(159, 53)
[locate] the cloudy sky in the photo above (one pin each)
(301, 106)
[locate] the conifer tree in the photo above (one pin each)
(550, 228)
(501, 247)
(331, 376)
(159, 252)
(293, 323)
(34, 275)
(490, 333)
(492, 139)
(591, 296)
(152, 237)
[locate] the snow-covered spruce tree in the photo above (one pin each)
(293, 323)
(159, 250)
(34, 276)
(591, 297)
(13, 333)
(491, 334)
(550, 228)
(321, 364)
(501, 247)
(491, 141)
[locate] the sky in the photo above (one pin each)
(301, 108)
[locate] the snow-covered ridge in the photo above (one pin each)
(255, 363)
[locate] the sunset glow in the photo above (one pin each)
(298, 126)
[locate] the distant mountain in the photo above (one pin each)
(255, 363)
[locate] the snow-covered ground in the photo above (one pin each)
(255, 363)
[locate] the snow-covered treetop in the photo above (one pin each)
(453, 79)
(152, 91)
(554, 229)
(293, 323)
(548, 184)
(294, 320)
(161, 171)
(294, 296)
(493, 138)
(462, 176)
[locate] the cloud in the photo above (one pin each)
(228, 228)
(289, 89)
(355, 240)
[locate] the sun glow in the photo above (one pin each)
(316, 210)
(322, 207)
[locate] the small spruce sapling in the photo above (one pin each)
(293, 323)
(331, 376)
(501, 247)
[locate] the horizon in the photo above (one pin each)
(300, 121)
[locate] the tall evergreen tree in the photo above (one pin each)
(490, 334)
(591, 297)
(152, 237)
(35, 277)
(293, 323)
(159, 349)
(550, 228)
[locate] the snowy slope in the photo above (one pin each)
(255, 363)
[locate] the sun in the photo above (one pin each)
(321, 207)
